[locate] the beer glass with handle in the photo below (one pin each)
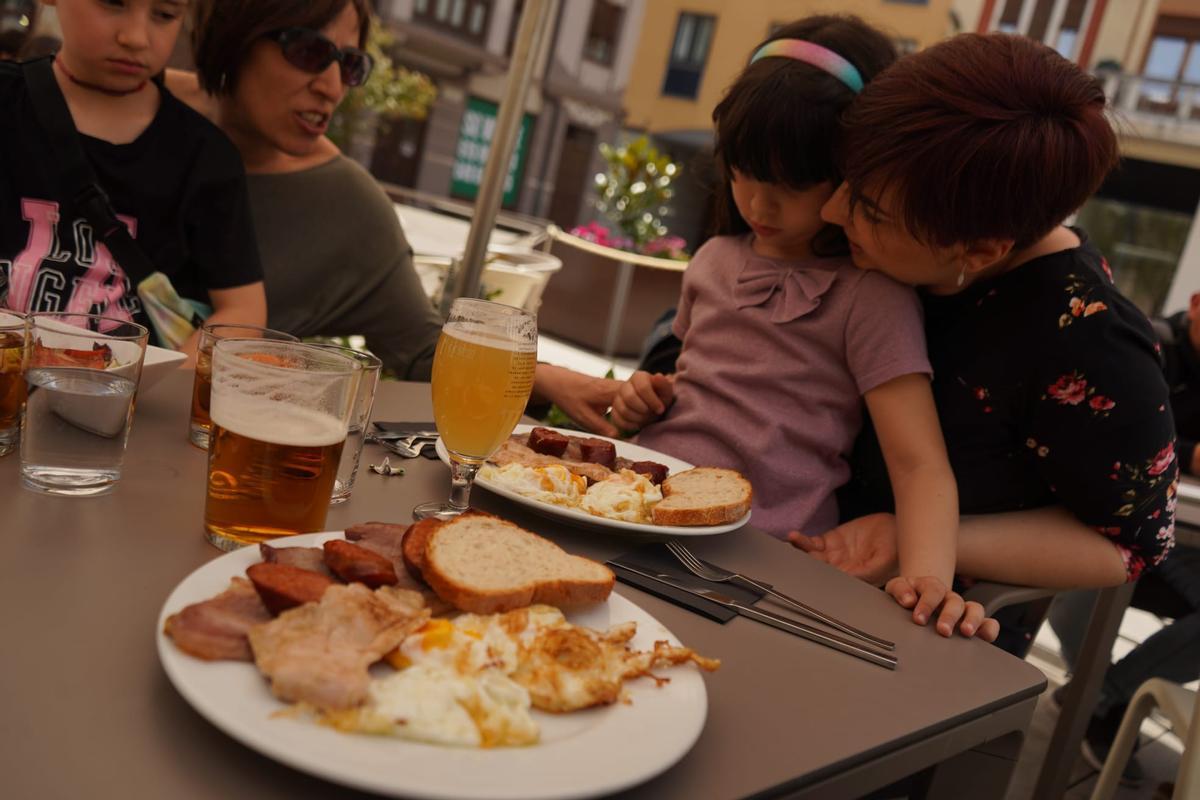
(482, 375)
(200, 424)
(280, 412)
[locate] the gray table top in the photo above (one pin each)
(89, 711)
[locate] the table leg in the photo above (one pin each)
(1084, 689)
(616, 313)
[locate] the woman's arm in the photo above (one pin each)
(1047, 547)
(241, 305)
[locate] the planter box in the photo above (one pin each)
(576, 302)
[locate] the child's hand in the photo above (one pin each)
(925, 595)
(642, 399)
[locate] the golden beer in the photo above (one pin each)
(481, 383)
(270, 476)
(12, 390)
(201, 423)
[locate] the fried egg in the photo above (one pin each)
(627, 495)
(552, 483)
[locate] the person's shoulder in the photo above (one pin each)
(875, 290)
(190, 133)
(12, 82)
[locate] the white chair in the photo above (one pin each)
(1181, 706)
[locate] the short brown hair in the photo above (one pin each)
(980, 137)
(223, 30)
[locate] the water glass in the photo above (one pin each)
(81, 372)
(360, 418)
(13, 329)
(201, 423)
(482, 375)
(280, 412)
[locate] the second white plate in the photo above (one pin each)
(583, 519)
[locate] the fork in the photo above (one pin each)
(400, 448)
(718, 575)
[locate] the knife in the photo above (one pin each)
(770, 618)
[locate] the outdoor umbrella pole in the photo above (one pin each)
(535, 25)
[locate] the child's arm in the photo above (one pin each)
(642, 399)
(583, 398)
(241, 305)
(906, 422)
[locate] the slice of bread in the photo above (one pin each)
(412, 547)
(480, 563)
(703, 496)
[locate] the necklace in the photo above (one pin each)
(93, 87)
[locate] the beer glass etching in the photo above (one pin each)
(81, 384)
(280, 412)
(200, 423)
(13, 329)
(482, 375)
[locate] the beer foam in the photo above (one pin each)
(274, 422)
(486, 335)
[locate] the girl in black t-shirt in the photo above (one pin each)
(961, 163)
(171, 177)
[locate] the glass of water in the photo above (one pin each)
(81, 373)
(360, 418)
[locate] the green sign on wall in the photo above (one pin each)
(474, 141)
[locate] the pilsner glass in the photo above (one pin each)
(81, 371)
(201, 423)
(13, 329)
(482, 375)
(280, 411)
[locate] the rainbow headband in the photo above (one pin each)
(820, 57)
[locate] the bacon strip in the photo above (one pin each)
(216, 629)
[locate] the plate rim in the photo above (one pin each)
(591, 521)
(229, 565)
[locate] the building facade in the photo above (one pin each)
(575, 102)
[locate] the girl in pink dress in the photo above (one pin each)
(785, 341)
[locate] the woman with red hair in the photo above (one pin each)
(961, 164)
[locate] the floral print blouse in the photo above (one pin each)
(1050, 390)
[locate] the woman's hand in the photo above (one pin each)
(583, 398)
(926, 595)
(642, 399)
(864, 548)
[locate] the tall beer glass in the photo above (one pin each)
(482, 375)
(280, 412)
(201, 423)
(13, 330)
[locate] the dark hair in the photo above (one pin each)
(778, 122)
(980, 137)
(224, 30)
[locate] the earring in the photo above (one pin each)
(962, 275)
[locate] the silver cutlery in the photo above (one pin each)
(392, 435)
(718, 575)
(407, 448)
(777, 621)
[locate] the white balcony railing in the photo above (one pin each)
(1156, 109)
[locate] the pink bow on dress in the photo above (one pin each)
(787, 292)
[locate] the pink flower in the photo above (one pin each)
(1069, 390)
(1111, 532)
(1162, 459)
(1094, 308)
(1076, 307)
(1107, 269)
(1101, 403)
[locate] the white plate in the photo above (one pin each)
(583, 519)
(582, 754)
(159, 363)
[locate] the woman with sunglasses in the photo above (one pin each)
(335, 260)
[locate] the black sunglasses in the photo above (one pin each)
(311, 51)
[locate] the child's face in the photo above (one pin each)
(279, 109)
(784, 220)
(118, 44)
(879, 242)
